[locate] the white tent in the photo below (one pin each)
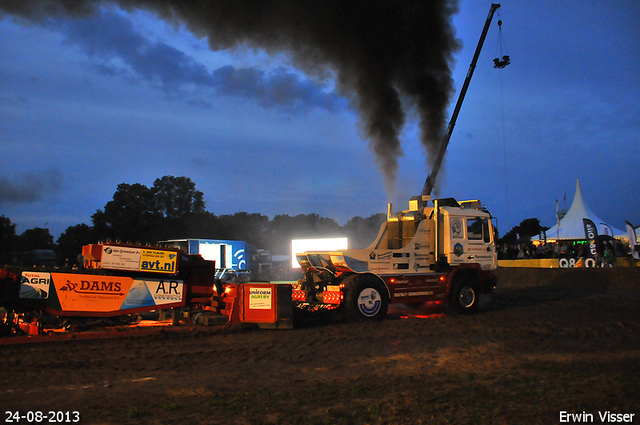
(571, 225)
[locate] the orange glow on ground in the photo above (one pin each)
(423, 316)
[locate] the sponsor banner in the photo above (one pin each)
(590, 233)
(35, 285)
(138, 259)
(120, 258)
(260, 298)
(96, 293)
(569, 263)
(152, 260)
(153, 292)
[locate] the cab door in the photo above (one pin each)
(471, 241)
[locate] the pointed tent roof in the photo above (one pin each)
(571, 225)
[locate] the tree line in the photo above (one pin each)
(174, 209)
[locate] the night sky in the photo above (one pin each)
(116, 95)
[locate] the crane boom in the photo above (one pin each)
(431, 179)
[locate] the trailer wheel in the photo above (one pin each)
(464, 297)
(366, 299)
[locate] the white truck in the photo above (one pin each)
(442, 252)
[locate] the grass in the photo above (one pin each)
(534, 393)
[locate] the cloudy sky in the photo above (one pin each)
(91, 100)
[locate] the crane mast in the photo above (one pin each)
(431, 178)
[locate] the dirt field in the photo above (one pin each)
(550, 341)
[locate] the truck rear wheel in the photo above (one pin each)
(366, 299)
(464, 297)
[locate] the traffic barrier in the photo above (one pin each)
(267, 305)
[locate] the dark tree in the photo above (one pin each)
(131, 216)
(171, 209)
(177, 197)
(36, 238)
(70, 243)
(523, 232)
(8, 239)
(178, 201)
(203, 225)
(252, 228)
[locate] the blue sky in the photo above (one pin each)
(123, 96)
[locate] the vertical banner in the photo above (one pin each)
(590, 233)
(633, 240)
(543, 237)
(605, 229)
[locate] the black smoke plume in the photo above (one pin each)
(29, 187)
(387, 56)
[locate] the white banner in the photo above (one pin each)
(633, 240)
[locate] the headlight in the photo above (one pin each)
(338, 261)
(303, 261)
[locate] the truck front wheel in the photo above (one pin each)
(366, 299)
(464, 297)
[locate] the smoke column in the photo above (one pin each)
(389, 57)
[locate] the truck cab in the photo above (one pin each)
(470, 235)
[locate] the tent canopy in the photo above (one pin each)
(571, 225)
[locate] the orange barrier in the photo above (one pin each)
(268, 305)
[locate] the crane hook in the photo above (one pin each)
(497, 62)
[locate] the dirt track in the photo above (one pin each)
(551, 340)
